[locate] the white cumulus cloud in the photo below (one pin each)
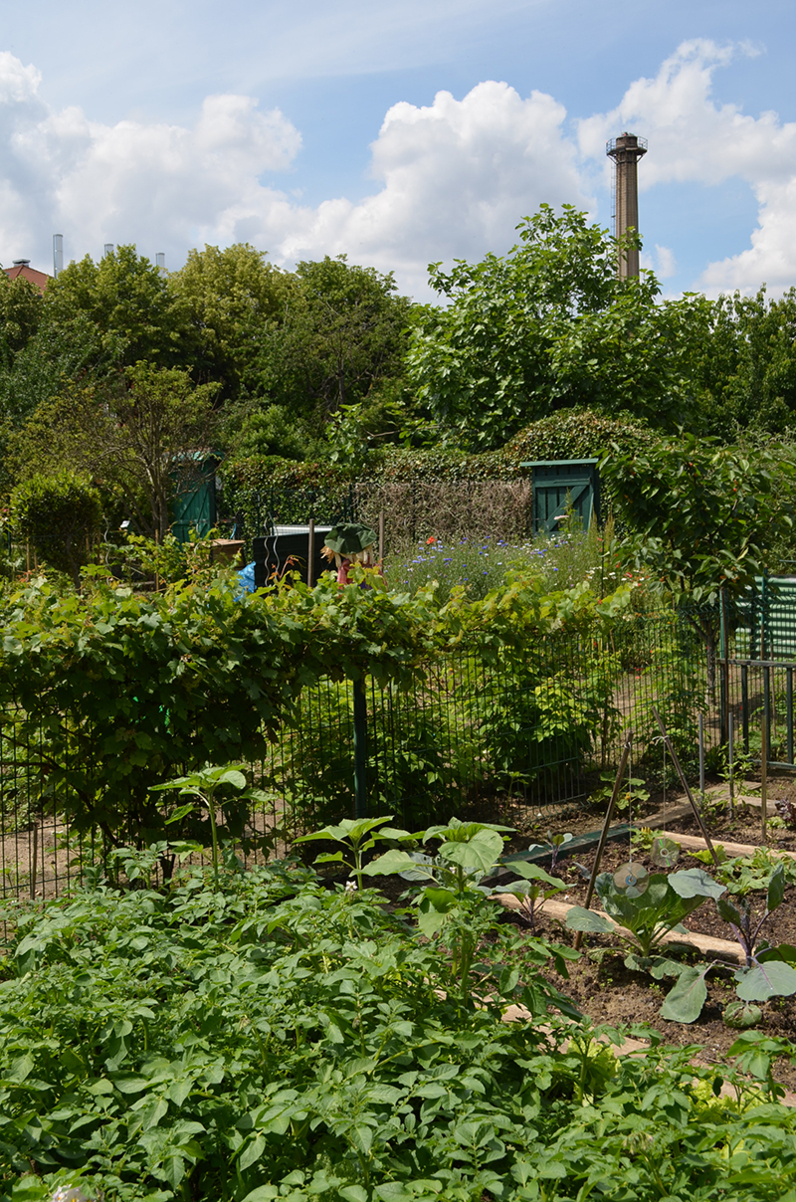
(456, 176)
(450, 179)
(158, 185)
(661, 261)
(694, 138)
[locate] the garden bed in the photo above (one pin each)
(609, 992)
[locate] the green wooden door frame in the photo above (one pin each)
(553, 480)
(194, 507)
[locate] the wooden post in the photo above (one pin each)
(620, 772)
(311, 554)
(381, 538)
(725, 670)
(679, 770)
(730, 758)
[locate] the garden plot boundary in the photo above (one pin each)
(514, 738)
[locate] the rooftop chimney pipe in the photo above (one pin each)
(58, 255)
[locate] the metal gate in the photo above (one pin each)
(758, 643)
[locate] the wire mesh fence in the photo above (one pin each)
(481, 736)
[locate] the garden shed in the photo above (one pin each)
(558, 482)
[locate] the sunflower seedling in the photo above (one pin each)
(534, 890)
(357, 836)
(203, 786)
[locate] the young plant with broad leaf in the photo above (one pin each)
(454, 906)
(768, 971)
(203, 786)
(536, 887)
(647, 917)
(357, 836)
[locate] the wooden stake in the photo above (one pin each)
(620, 772)
(730, 759)
(684, 783)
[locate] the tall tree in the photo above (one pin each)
(124, 295)
(748, 364)
(144, 440)
(21, 306)
(224, 299)
(550, 326)
(342, 334)
(699, 516)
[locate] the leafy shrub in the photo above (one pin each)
(119, 692)
(61, 516)
(141, 559)
(578, 434)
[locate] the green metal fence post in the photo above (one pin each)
(360, 750)
(725, 669)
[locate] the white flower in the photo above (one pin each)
(350, 887)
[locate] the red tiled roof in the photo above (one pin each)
(39, 278)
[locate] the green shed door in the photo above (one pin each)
(194, 509)
(555, 480)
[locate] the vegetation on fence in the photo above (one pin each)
(267, 1037)
(115, 692)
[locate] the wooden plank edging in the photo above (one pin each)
(706, 945)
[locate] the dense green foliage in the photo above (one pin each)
(223, 302)
(144, 440)
(118, 692)
(317, 372)
(60, 515)
(323, 393)
(550, 326)
(254, 485)
(748, 364)
(133, 676)
(704, 513)
(278, 1039)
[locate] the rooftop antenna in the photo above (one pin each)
(160, 259)
(626, 151)
(58, 255)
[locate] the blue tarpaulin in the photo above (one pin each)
(246, 578)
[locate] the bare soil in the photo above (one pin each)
(608, 992)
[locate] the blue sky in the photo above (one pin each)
(398, 134)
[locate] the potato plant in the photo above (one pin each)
(275, 1038)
